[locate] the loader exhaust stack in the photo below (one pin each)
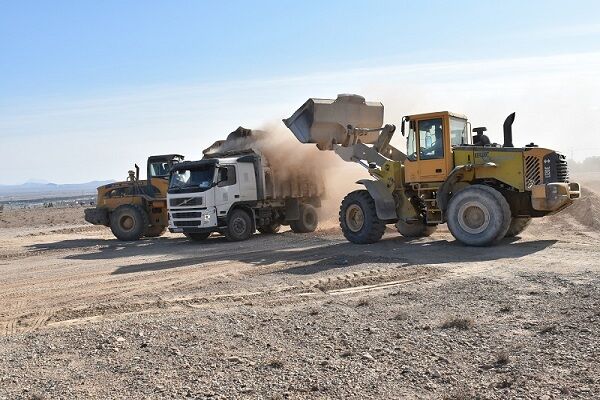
(508, 130)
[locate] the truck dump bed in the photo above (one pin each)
(275, 182)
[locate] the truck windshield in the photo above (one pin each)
(197, 178)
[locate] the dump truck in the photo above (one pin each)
(484, 191)
(236, 192)
(136, 208)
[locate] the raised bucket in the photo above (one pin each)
(324, 121)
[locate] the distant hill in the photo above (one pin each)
(39, 188)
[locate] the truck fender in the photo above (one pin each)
(385, 205)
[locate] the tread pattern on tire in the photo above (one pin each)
(373, 229)
(300, 225)
(129, 236)
(479, 240)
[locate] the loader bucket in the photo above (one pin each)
(324, 121)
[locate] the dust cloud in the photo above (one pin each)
(291, 160)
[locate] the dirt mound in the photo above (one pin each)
(585, 210)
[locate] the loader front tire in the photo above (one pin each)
(517, 225)
(415, 229)
(358, 218)
(308, 220)
(129, 222)
(478, 216)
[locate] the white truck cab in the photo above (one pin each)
(232, 195)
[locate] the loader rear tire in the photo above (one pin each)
(358, 218)
(269, 229)
(239, 226)
(415, 229)
(129, 222)
(478, 216)
(518, 225)
(155, 231)
(197, 237)
(308, 221)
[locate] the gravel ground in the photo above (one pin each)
(299, 316)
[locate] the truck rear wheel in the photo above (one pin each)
(358, 218)
(478, 216)
(308, 220)
(129, 222)
(415, 229)
(197, 237)
(239, 226)
(517, 225)
(269, 229)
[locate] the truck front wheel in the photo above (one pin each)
(478, 216)
(239, 226)
(129, 222)
(358, 218)
(308, 220)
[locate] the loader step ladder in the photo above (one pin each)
(433, 214)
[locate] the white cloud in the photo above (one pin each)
(78, 139)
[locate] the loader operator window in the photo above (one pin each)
(160, 168)
(458, 132)
(431, 140)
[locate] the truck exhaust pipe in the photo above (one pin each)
(508, 130)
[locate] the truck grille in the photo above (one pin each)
(562, 169)
(181, 224)
(533, 172)
(197, 214)
(186, 201)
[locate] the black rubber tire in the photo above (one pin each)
(371, 229)
(129, 222)
(517, 225)
(269, 229)
(415, 229)
(239, 226)
(487, 200)
(197, 237)
(308, 221)
(155, 231)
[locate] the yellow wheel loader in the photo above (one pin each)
(136, 208)
(482, 190)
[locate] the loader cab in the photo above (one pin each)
(429, 143)
(159, 166)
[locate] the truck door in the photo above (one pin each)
(227, 190)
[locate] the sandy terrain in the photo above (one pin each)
(298, 316)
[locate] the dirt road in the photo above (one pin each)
(298, 316)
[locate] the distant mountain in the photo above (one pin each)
(37, 187)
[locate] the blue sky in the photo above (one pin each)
(88, 88)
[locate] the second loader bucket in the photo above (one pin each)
(324, 121)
